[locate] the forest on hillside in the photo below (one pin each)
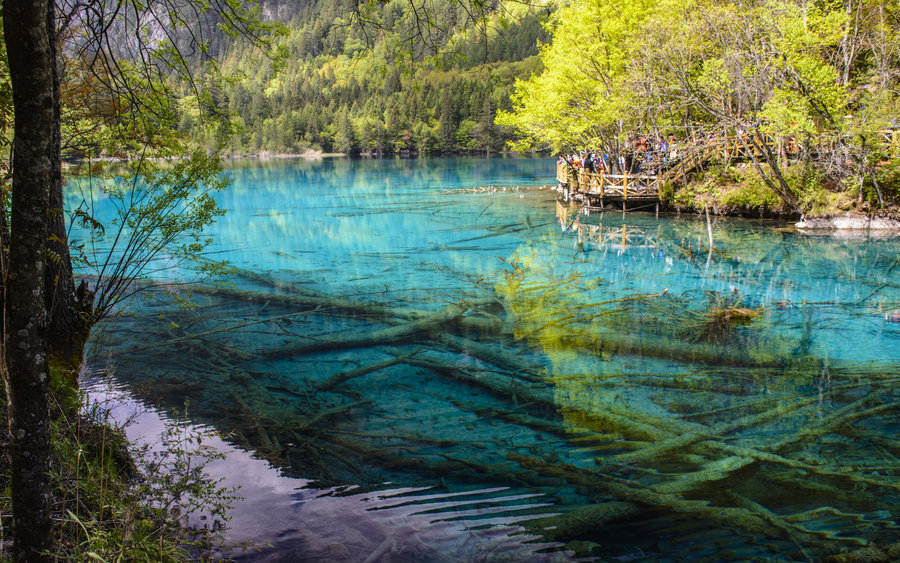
(810, 85)
(352, 79)
(817, 80)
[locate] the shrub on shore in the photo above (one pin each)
(113, 501)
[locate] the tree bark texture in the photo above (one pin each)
(69, 312)
(31, 72)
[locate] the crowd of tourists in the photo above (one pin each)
(643, 154)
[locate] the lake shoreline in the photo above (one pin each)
(818, 224)
(555, 338)
(850, 222)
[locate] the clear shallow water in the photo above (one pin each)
(439, 334)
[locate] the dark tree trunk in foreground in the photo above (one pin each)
(31, 72)
(68, 312)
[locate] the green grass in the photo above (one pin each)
(113, 501)
(741, 191)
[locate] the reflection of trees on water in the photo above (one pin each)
(701, 405)
(363, 175)
(660, 395)
(629, 408)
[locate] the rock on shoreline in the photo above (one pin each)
(850, 223)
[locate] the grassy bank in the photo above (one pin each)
(738, 190)
(114, 501)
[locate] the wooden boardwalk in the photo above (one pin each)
(608, 186)
(602, 185)
(643, 186)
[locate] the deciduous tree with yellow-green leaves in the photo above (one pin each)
(583, 97)
(818, 76)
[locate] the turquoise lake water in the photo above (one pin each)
(448, 363)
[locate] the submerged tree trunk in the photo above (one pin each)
(25, 354)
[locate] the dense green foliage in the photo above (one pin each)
(819, 78)
(374, 81)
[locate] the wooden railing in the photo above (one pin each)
(622, 186)
(688, 157)
(606, 185)
(566, 174)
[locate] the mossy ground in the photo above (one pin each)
(738, 190)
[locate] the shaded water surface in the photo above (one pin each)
(445, 363)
